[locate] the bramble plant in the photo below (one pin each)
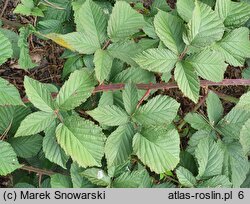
(108, 125)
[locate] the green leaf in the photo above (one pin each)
(214, 108)
(35, 123)
(195, 139)
(110, 115)
(76, 90)
(239, 14)
(220, 181)
(158, 148)
(5, 49)
(135, 179)
(82, 140)
(76, 41)
(235, 46)
(130, 98)
(209, 65)
(90, 19)
(9, 95)
(124, 21)
(197, 121)
(60, 181)
(72, 64)
(26, 147)
(51, 148)
(119, 145)
(160, 110)
(8, 159)
(77, 179)
(157, 60)
(170, 28)
(209, 157)
(187, 80)
(205, 27)
(185, 177)
(97, 176)
(244, 103)
(245, 138)
(38, 94)
(185, 9)
(223, 8)
(24, 60)
(103, 64)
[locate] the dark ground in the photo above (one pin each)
(47, 55)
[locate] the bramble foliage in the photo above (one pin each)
(118, 138)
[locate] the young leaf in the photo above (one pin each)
(5, 49)
(214, 108)
(82, 140)
(38, 94)
(187, 80)
(245, 138)
(158, 148)
(220, 181)
(235, 46)
(185, 9)
(83, 43)
(124, 21)
(170, 28)
(97, 176)
(51, 148)
(209, 65)
(8, 159)
(110, 115)
(119, 145)
(185, 177)
(130, 98)
(60, 181)
(26, 147)
(90, 19)
(157, 60)
(160, 110)
(9, 95)
(103, 64)
(24, 60)
(76, 90)
(205, 27)
(35, 123)
(209, 157)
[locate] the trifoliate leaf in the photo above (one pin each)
(51, 148)
(187, 80)
(158, 148)
(209, 157)
(170, 28)
(205, 27)
(119, 145)
(90, 19)
(124, 21)
(110, 115)
(8, 159)
(160, 110)
(82, 140)
(130, 98)
(76, 90)
(9, 95)
(5, 49)
(157, 60)
(35, 123)
(103, 64)
(38, 94)
(185, 177)
(214, 108)
(235, 46)
(209, 65)
(26, 147)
